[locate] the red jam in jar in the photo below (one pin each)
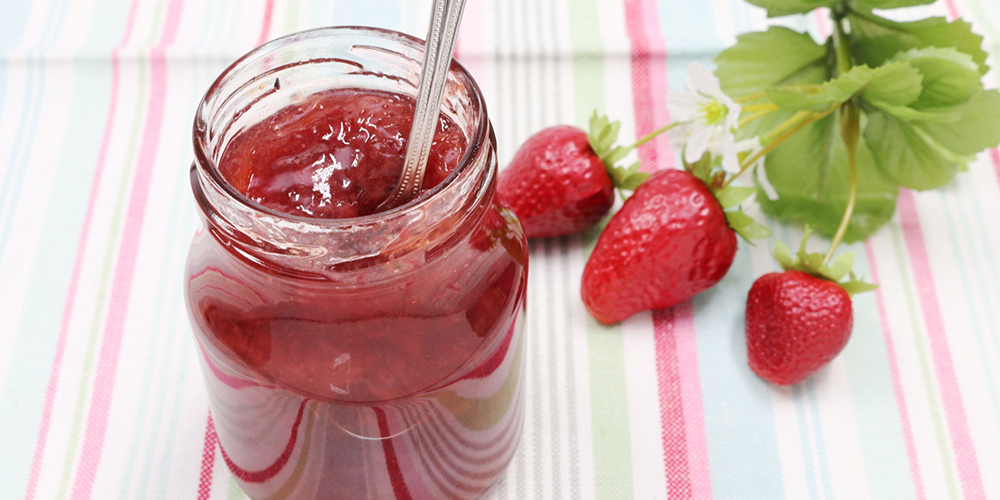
(351, 353)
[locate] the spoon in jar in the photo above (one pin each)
(445, 19)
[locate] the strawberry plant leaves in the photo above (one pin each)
(810, 173)
(776, 57)
(896, 84)
(875, 39)
(904, 154)
(950, 77)
(778, 8)
(887, 4)
(975, 128)
(746, 226)
(733, 196)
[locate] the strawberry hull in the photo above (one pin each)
(669, 242)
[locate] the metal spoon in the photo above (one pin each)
(445, 19)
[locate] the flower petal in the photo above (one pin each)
(682, 106)
(704, 80)
(765, 184)
(730, 161)
(697, 144)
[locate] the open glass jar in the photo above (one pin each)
(373, 357)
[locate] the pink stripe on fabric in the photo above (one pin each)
(897, 384)
(107, 365)
(265, 30)
(649, 82)
(207, 460)
(81, 245)
(965, 452)
(952, 9)
(685, 450)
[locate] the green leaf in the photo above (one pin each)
(841, 266)
(778, 8)
(950, 77)
(888, 4)
(904, 154)
(896, 84)
(793, 100)
(783, 255)
(615, 155)
(976, 128)
(875, 39)
(855, 286)
(810, 173)
(746, 226)
(773, 58)
(733, 196)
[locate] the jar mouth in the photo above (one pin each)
(217, 96)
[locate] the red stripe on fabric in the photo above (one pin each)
(81, 245)
(673, 431)
(951, 396)
(391, 461)
(682, 417)
(259, 476)
(649, 82)
(995, 156)
(897, 384)
(207, 460)
(265, 29)
(952, 9)
(107, 365)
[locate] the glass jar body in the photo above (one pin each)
(376, 357)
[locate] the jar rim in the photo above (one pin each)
(207, 165)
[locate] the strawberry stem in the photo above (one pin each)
(652, 135)
(815, 117)
(761, 111)
(850, 131)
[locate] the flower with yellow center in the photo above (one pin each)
(706, 119)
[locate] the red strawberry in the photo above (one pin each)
(669, 241)
(556, 184)
(795, 324)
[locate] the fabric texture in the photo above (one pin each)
(100, 391)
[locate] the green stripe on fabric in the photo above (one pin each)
(883, 445)
(102, 294)
(570, 296)
(609, 410)
(925, 367)
(973, 269)
(292, 16)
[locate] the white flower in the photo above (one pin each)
(751, 147)
(707, 119)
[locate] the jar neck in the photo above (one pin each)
(335, 248)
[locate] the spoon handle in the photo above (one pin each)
(445, 20)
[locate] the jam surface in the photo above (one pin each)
(336, 155)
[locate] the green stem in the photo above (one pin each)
(758, 114)
(751, 97)
(850, 129)
(777, 142)
(652, 135)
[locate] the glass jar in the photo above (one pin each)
(372, 357)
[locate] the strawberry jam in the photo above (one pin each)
(351, 353)
(338, 154)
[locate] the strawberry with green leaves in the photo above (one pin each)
(562, 180)
(798, 320)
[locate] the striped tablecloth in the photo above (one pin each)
(100, 393)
